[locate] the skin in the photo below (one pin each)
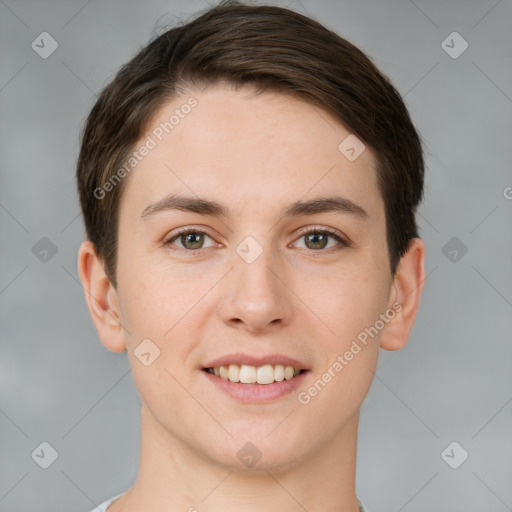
(256, 154)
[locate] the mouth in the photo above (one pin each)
(247, 374)
(255, 379)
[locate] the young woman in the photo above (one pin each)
(249, 183)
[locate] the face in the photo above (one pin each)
(266, 273)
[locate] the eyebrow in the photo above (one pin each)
(331, 204)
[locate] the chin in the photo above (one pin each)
(258, 452)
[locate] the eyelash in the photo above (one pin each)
(343, 244)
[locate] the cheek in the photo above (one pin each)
(164, 311)
(347, 301)
(158, 314)
(350, 305)
(157, 297)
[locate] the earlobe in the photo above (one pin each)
(101, 298)
(408, 286)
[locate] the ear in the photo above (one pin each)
(408, 286)
(101, 298)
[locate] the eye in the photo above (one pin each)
(190, 240)
(317, 239)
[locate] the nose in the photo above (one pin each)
(255, 296)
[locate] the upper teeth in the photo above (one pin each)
(245, 374)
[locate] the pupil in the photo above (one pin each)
(195, 240)
(319, 238)
(188, 240)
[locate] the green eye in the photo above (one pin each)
(318, 239)
(194, 240)
(190, 240)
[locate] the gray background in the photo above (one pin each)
(452, 382)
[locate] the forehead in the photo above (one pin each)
(253, 151)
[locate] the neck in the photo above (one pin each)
(172, 476)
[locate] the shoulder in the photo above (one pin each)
(362, 508)
(105, 504)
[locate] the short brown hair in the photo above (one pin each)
(273, 49)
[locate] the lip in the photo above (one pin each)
(257, 361)
(256, 393)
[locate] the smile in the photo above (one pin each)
(246, 374)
